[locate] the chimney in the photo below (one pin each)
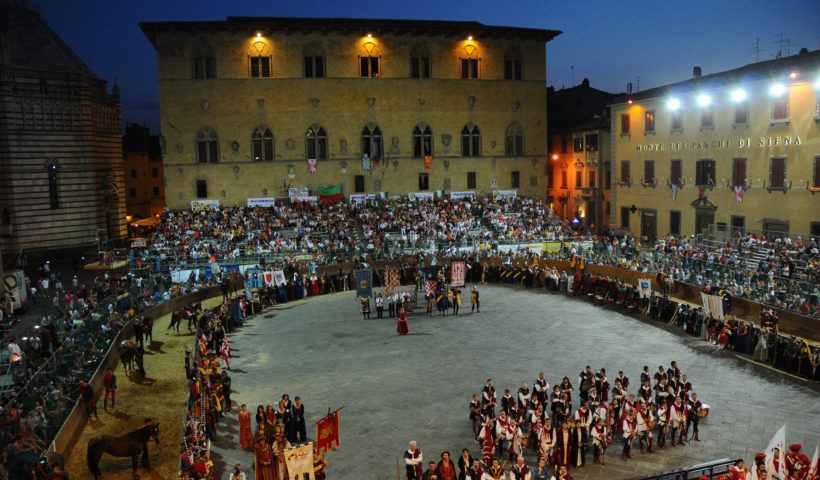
(804, 51)
(585, 82)
(696, 72)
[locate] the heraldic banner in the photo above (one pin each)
(364, 283)
(391, 276)
(300, 462)
(457, 274)
(327, 433)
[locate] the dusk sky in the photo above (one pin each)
(610, 42)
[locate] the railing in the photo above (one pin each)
(710, 469)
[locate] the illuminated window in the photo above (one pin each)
(470, 141)
(677, 121)
(780, 108)
(369, 67)
(260, 67)
(262, 145)
(203, 63)
(469, 68)
(314, 60)
(626, 177)
(649, 171)
(578, 144)
(777, 172)
(705, 172)
(514, 141)
(316, 143)
(591, 141)
(207, 145)
(419, 62)
(625, 124)
(707, 117)
(741, 113)
(739, 172)
(422, 141)
(372, 141)
(512, 64)
(676, 172)
(649, 121)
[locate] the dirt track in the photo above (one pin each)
(160, 396)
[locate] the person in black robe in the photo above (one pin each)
(579, 444)
(299, 428)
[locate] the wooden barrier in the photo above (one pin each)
(76, 420)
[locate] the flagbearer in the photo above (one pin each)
(475, 300)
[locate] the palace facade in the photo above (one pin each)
(253, 107)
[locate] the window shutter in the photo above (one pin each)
(816, 172)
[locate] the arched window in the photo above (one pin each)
(369, 60)
(514, 141)
(259, 60)
(314, 60)
(372, 141)
(422, 141)
(262, 144)
(207, 145)
(316, 143)
(203, 62)
(512, 64)
(469, 59)
(470, 141)
(420, 62)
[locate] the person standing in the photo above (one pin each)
(280, 444)
(298, 413)
(475, 300)
(401, 325)
(110, 383)
(464, 463)
(579, 444)
(365, 307)
(520, 471)
(226, 390)
(413, 459)
(446, 469)
(245, 435)
(89, 398)
(629, 428)
(379, 306)
(263, 456)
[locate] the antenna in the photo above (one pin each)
(779, 42)
(629, 87)
(638, 84)
(572, 68)
(756, 48)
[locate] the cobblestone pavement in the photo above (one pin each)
(418, 387)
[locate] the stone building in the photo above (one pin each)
(142, 164)
(60, 142)
(251, 107)
(738, 150)
(580, 157)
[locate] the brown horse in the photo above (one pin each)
(148, 329)
(128, 445)
(128, 352)
(186, 313)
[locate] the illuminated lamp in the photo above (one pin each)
(555, 156)
(704, 100)
(258, 34)
(777, 89)
(369, 35)
(629, 101)
(673, 104)
(469, 37)
(738, 95)
(793, 75)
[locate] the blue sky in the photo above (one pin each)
(609, 42)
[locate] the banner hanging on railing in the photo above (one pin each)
(504, 194)
(421, 196)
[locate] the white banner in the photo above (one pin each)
(298, 192)
(300, 462)
(712, 305)
(421, 196)
(458, 195)
(361, 197)
(262, 202)
(307, 199)
(202, 203)
(504, 194)
(778, 441)
(645, 287)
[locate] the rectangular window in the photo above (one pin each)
(260, 67)
(705, 172)
(199, 71)
(707, 118)
(777, 178)
(156, 191)
(738, 172)
(676, 172)
(624, 124)
(132, 192)
(741, 113)
(155, 172)
(780, 108)
(369, 67)
(512, 69)
(592, 142)
(424, 182)
(470, 180)
(515, 179)
(133, 174)
(550, 173)
(674, 222)
(54, 195)
(816, 172)
(578, 144)
(201, 189)
(563, 145)
(210, 67)
(419, 67)
(592, 175)
(608, 209)
(649, 121)
(314, 67)
(649, 171)
(579, 178)
(563, 179)
(469, 68)
(626, 176)
(677, 121)
(607, 176)
(358, 183)
(624, 217)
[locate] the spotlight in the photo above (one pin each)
(629, 101)
(673, 104)
(258, 34)
(793, 75)
(738, 95)
(777, 89)
(469, 37)
(555, 156)
(369, 35)
(704, 100)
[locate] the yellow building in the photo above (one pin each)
(738, 150)
(142, 164)
(248, 104)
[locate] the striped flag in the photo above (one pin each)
(429, 287)
(391, 280)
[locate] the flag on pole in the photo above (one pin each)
(300, 462)
(327, 433)
(429, 287)
(364, 283)
(813, 466)
(778, 441)
(391, 280)
(457, 274)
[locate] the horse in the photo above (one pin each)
(128, 445)
(185, 313)
(128, 351)
(148, 329)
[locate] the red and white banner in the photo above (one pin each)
(457, 274)
(300, 461)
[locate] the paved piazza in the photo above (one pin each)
(418, 387)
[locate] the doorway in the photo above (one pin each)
(649, 224)
(703, 220)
